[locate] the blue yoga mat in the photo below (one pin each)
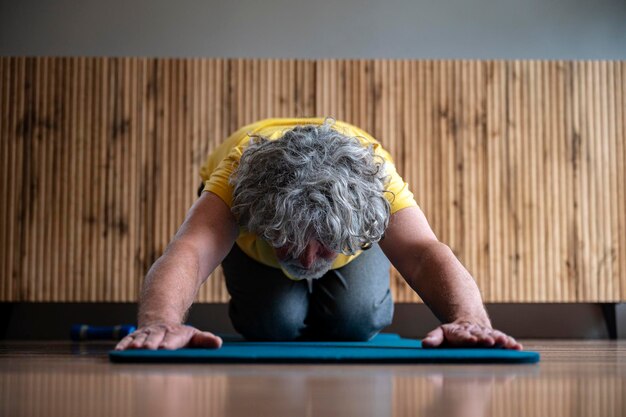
(383, 348)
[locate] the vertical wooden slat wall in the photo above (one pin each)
(518, 165)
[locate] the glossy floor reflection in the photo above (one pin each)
(574, 378)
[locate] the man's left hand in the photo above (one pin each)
(464, 333)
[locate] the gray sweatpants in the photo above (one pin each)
(350, 303)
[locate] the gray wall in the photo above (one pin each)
(394, 29)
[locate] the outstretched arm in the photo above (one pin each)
(200, 244)
(203, 240)
(448, 289)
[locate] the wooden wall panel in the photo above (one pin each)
(518, 165)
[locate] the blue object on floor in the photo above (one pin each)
(383, 348)
(90, 332)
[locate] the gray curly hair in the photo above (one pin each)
(312, 183)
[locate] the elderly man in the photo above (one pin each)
(305, 215)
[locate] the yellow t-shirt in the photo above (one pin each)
(220, 163)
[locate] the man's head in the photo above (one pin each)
(313, 193)
(312, 263)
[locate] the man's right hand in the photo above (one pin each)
(168, 336)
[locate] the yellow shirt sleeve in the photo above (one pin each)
(218, 181)
(399, 195)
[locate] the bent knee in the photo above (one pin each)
(280, 332)
(268, 327)
(361, 325)
(355, 333)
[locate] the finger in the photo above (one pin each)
(513, 344)
(205, 339)
(433, 338)
(506, 341)
(138, 340)
(174, 340)
(154, 339)
(501, 338)
(460, 337)
(484, 336)
(123, 344)
(485, 340)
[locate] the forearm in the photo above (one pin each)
(447, 287)
(170, 286)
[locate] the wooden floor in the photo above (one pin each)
(574, 378)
